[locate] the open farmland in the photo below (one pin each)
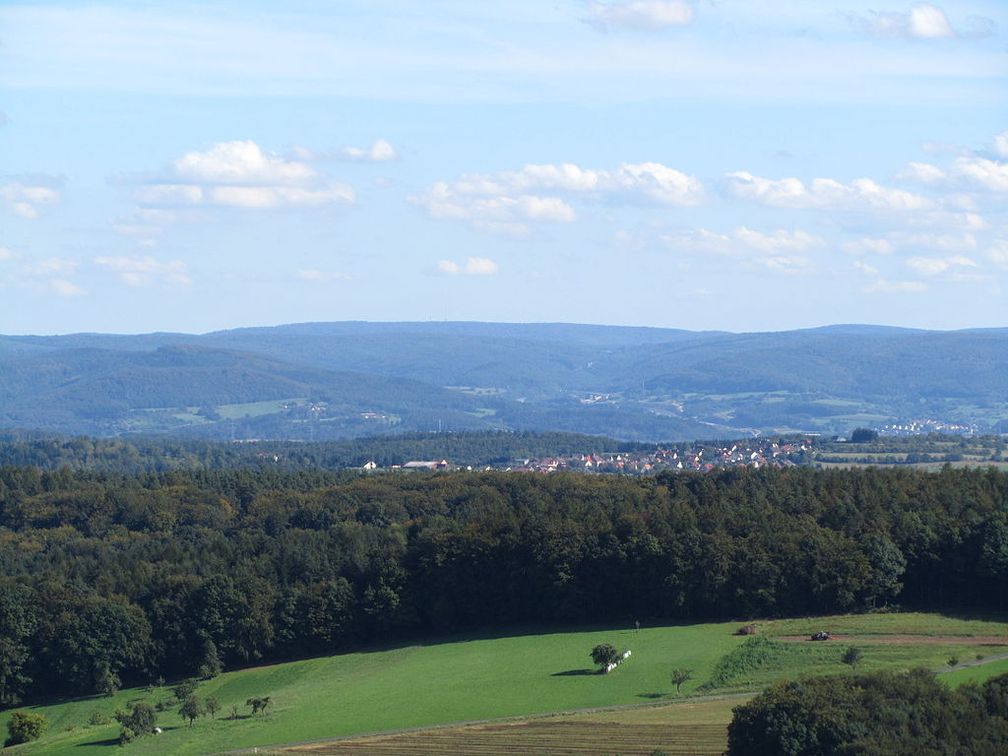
(530, 680)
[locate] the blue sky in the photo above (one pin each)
(704, 165)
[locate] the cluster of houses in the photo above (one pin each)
(684, 458)
(925, 427)
(756, 453)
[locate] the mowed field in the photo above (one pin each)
(519, 678)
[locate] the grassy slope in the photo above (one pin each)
(413, 686)
(483, 678)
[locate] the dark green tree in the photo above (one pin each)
(211, 666)
(604, 654)
(18, 622)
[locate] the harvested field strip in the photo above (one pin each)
(913, 640)
(562, 738)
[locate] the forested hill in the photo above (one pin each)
(336, 380)
(108, 579)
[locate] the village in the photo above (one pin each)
(696, 457)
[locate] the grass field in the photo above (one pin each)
(519, 677)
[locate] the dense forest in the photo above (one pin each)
(112, 579)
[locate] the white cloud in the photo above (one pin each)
(65, 288)
(884, 286)
(935, 266)
(169, 194)
(507, 202)
(783, 263)
(779, 240)
(52, 275)
(974, 222)
(924, 173)
(5, 254)
(998, 254)
(239, 174)
(498, 214)
(480, 266)
(313, 275)
(743, 241)
(144, 271)
(929, 22)
(269, 197)
(474, 266)
(379, 152)
(868, 245)
(941, 242)
(923, 21)
(243, 163)
(53, 266)
(24, 199)
(1001, 144)
(823, 193)
(871, 270)
(640, 14)
(991, 174)
(651, 181)
(449, 267)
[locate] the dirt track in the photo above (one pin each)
(906, 640)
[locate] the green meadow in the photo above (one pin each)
(464, 679)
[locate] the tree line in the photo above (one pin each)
(113, 579)
(135, 455)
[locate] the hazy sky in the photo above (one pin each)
(695, 164)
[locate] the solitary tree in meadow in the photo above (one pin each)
(604, 654)
(679, 676)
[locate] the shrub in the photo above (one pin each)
(139, 721)
(852, 656)
(98, 718)
(185, 689)
(25, 726)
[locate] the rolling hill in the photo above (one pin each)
(333, 380)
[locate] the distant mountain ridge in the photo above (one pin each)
(345, 379)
